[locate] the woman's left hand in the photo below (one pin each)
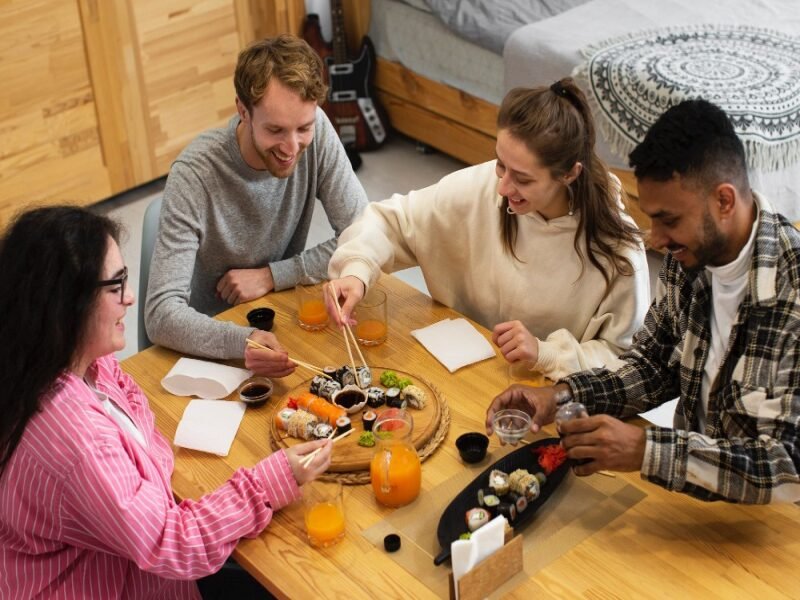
(516, 342)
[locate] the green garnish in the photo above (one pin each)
(389, 379)
(465, 536)
(366, 439)
(401, 383)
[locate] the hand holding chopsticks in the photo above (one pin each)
(297, 361)
(346, 331)
(306, 460)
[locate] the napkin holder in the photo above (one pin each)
(487, 576)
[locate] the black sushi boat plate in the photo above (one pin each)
(452, 522)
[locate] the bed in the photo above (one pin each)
(442, 88)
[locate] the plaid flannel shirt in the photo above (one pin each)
(749, 449)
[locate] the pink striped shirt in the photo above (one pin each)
(87, 512)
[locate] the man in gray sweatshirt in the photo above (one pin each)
(237, 208)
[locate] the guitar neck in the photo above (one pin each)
(337, 25)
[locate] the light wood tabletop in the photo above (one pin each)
(664, 545)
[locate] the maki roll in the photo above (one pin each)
(301, 425)
(330, 371)
(393, 398)
(343, 425)
(282, 418)
(322, 430)
(346, 376)
(476, 518)
(415, 396)
(483, 492)
(522, 482)
(364, 377)
(508, 510)
(499, 481)
(316, 384)
(375, 397)
(328, 388)
(519, 500)
(368, 419)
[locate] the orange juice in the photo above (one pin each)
(324, 524)
(404, 475)
(371, 330)
(313, 312)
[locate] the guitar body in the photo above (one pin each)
(357, 118)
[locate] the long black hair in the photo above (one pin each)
(50, 262)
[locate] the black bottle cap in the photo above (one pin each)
(391, 542)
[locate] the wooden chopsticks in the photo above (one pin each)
(297, 361)
(306, 460)
(347, 331)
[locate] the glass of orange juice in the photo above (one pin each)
(371, 315)
(311, 312)
(323, 512)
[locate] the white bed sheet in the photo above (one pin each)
(540, 53)
(419, 41)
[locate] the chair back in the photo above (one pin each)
(149, 232)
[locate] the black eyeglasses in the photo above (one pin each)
(120, 281)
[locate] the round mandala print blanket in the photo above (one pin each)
(751, 73)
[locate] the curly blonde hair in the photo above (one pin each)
(286, 57)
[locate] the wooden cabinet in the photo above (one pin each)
(100, 96)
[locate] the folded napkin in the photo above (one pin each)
(455, 343)
(204, 379)
(209, 426)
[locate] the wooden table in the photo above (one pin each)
(667, 545)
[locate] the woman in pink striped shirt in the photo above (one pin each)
(86, 506)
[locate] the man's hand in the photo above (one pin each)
(538, 402)
(607, 442)
(273, 362)
(244, 285)
(318, 465)
(516, 342)
(350, 291)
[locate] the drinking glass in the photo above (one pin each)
(323, 511)
(371, 314)
(312, 315)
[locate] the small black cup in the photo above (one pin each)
(261, 318)
(472, 446)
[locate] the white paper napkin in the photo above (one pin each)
(209, 426)
(662, 416)
(466, 554)
(455, 343)
(204, 379)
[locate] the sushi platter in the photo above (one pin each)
(516, 486)
(325, 396)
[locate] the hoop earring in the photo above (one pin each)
(571, 201)
(510, 210)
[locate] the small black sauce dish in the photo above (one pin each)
(255, 391)
(261, 318)
(472, 446)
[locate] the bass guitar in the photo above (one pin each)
(351, 105)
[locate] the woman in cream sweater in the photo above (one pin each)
(534, 244)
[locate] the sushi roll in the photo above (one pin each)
(519, 500)
(483, 492)
(328, 388)
(343, 425)
(330, 371)
(499, 481)
(491, 502)
(322, 430)
(316, 383)
(393, 398)
(508, 510)
(364, 378)
(368, 419)
(415, 396)
(476, 518)
(541, 477)
(301, 425)
(282, 418)
(375, 397)
(346, 376)
(522, 482)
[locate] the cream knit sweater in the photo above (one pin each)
(452, 231)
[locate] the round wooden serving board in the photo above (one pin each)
(348, 456)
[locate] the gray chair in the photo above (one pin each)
(149, 232)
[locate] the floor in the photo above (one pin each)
(398, 167)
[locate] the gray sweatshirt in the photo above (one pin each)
(218, 214)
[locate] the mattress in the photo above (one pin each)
(415, 38)
(540, 53)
